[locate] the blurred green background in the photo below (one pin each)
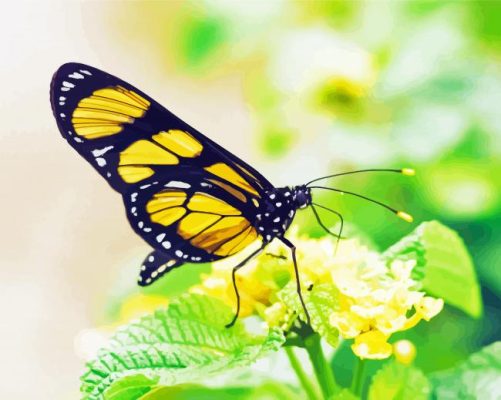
(337, 86)
(299, 89)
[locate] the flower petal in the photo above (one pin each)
(372, 345)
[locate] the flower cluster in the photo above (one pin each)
(374, 297)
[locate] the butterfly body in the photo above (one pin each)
(278, 209)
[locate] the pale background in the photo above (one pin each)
(63, 229)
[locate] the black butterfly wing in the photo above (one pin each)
(150, 156)
(156, 265)
(130, 139)
(191, 218)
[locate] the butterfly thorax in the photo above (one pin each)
(277, 210)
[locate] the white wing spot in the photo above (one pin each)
(151, 258)
(75, 75)
(278, 204)
(140, 224)
(277, 219)
(68, 84)
(166, 244)
(160, 237)
(100, 152)
(177, 184)
(101, 161)
(84, 71)
(179, 253)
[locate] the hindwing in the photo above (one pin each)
(191, 219)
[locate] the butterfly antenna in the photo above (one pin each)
(400, 214)
(403, 171)
(317, 216)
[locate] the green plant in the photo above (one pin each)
(355, 295)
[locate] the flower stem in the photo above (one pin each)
(358, 374)
(303, 378)
(321, 367)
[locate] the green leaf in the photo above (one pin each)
(443, 265)
(345, 394)
(399, 382)
(266, 390)
(479, 377)
(184, 343)
(189, 392)
(320, 302)
(130, 387)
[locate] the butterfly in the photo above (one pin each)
(189, 198)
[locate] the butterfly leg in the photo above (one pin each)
(233, 272)
(298, 282)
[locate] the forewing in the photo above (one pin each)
(131, 140)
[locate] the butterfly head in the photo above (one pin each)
(301, 196)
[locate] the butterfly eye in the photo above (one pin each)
(302, 199)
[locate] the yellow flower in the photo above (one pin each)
(426, 309)
(255, 285)
(373, 299)
(373, 345)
